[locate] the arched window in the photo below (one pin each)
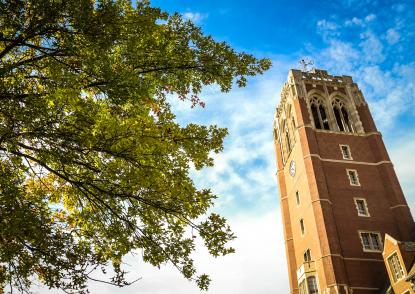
(342, 116)
(319, 114)
(312, 285)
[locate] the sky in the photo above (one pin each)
(372, 41)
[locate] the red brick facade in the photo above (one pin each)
(335, 230)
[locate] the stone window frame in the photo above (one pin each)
(365, 204)
(357, 184)
(337, 98)
(400, 262)
(360, 232)
(348, 150)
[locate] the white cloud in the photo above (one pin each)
(244, 173)
(195, 17)
(326, 25)
(338, 55)
(354, 21)
(372, 47)
(392, 36)
(370, 17)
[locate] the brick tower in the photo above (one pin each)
(339, 191)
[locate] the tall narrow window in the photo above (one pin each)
(307, 255)
(297, 197)
(287, 137)
(371, 241)
(346, 120)
(318, 110)
(338, 118)
(353, 177)
(302, 228)
(346, 152)
(342, 116)
(312, 285)
(315, 116)
(395, 267)
(361, 207)
(324, 117)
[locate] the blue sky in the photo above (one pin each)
(373, 41)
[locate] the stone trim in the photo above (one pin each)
(322, 199)
(399, 205)
(346, 161)
(337, 132)
(362, 259)
(349, 258)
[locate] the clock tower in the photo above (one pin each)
(338, 190)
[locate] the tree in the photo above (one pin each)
(93, 164)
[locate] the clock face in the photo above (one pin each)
(292, 168)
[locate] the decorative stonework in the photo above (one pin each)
(327, 87)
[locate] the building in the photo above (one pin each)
(399, 262)
(339, 192)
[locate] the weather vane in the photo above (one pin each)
(305, 63)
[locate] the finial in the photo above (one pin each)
(305, 63)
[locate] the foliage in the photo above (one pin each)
(93, 165)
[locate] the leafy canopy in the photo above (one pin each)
(93, 165)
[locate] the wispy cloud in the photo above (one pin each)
(392, 36)
(355, 21)
(244, 173)
(195, 17)
(366, 54)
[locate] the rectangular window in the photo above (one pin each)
(312, 285)
(302, 287)
(395, 267)
(371, 241)
(302, 226)
(346, 152)
(361, 207)
(307, 255)
(297, 197)
(353, 177)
